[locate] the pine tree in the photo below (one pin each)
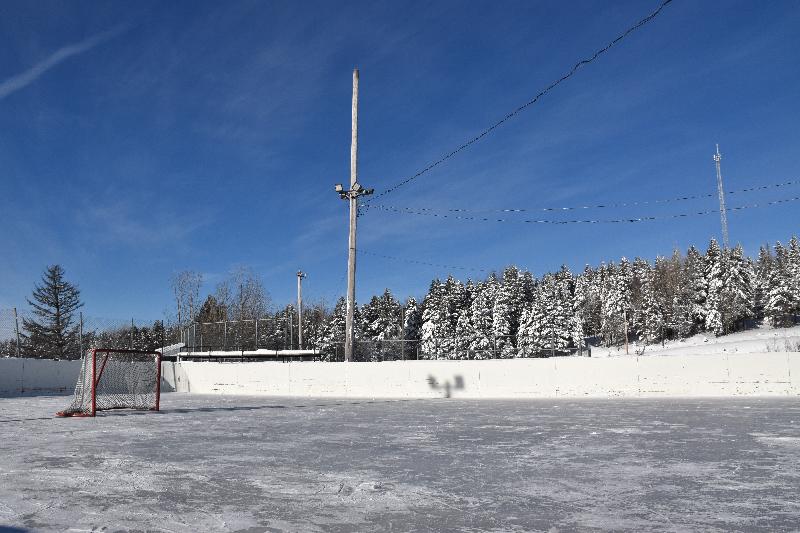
(550, 325)
(738, 296)
(715, 274)
(507, 311)
(434, 319)
(412, 320)
(697, 287)
(481, 318)
(381, 317)
(332, 336)
(648, 315)
(763, 273)
(464, 329)
(793, 271)
(616, 301)
(587, 301)
(54, 333)
(779, 301)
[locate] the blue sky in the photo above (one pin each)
(141, 139)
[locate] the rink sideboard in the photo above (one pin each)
(761, 374)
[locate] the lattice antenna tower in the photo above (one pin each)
(723, 214)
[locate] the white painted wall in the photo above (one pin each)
(37, 376)
(682, 375)
(769, 374)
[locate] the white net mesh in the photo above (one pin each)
(122, 380)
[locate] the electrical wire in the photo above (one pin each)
(581, 207)
(589, 221)
(406, 260)
(527, 104)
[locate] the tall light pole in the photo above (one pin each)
(352, 195)
(723, 215)
(300, 277)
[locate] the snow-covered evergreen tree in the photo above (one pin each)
(763, 272)
(550, 324)
(793, 272)
(439, 318)
(412, 320)
(481, 318)
(738, 297)
(715, 274)
(381, 317)
(648, 315)
(697, 287)
(507, 311)
(616, 301)
(587, 301)
(779, 300)
(331, 340)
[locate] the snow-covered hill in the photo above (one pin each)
(762, 339)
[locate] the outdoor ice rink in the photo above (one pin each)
(213, 463)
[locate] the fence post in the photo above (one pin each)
(80, 335)
(256, 334)
(16, 328)
(494, 346)
(553, 343)
(131, 336)
(225, 335)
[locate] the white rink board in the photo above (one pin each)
(763, 374)
(37, 376)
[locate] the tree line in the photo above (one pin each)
(515, 314)
(506, 315)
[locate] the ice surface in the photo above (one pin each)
(215, 463)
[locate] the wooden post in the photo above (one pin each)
(300, 277)
(351, 254)
(80, 336)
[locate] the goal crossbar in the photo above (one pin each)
(113, 378)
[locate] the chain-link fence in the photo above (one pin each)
(20, 336)
(19, 339)
(241, 335)
(496, 347)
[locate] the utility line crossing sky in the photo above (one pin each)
(143, 139)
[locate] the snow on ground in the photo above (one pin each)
(759, 340)
(215, 463)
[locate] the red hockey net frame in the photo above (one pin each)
(132, 381)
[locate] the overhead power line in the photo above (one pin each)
(406, 260)
(529, 103)
(581, 207)
(587, 221)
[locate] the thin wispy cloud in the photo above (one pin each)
(22, 80)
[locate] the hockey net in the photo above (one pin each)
(116, 379)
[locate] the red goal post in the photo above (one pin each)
(111, 378)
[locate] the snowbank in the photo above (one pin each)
(760, 340)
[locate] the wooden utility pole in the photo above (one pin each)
(352, 195)
(351, 250)
(300, 277)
